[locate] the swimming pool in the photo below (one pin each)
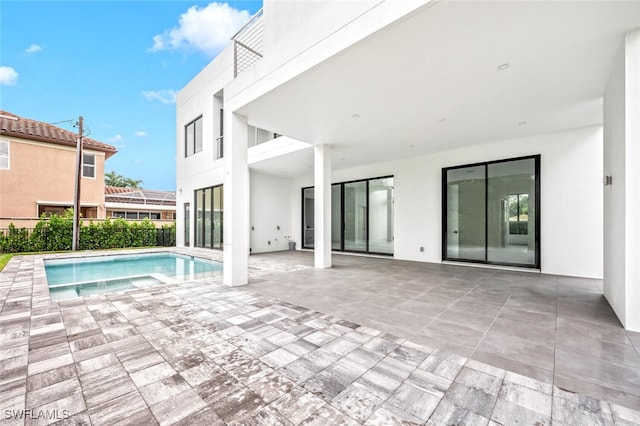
(83, 276)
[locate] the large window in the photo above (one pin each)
(361, 216)
(88, 165)
(193, 137)
(220, 139)
(134, 215)
(491, 212)
(208, 208)
(187, 225)
(4, 155)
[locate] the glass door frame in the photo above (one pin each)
(200, 207)
(342, 216)
(486, 164)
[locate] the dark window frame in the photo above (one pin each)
(342, 216)
(139, 215)
(219, 151)
(193, 124)
(201, 206)
(187, 224)
(485, 164)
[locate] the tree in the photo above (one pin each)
(132, 183)
(114, 179)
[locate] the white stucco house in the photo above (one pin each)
(497, 133)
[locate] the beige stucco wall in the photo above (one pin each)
(46, 172)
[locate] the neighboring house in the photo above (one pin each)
(467, 132)
(138, 204)
(37, 171)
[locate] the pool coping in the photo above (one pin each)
(42, 296)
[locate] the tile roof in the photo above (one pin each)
(25, 128)
(116, 194)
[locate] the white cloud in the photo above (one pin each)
(8, 76)
(33, 48)
(163, 96)
(141, 134)
(207, 29)
(137, 161)
(117, 138)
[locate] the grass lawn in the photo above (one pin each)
(4, 259)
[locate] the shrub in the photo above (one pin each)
(518, 228)
(56, 234)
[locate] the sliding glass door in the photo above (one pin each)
(381, 215)
(208, 208)
(361, 216)
(491, 212)
(512, 213)
(355, 216)
(336, 217)
(466, 213)
(308, 217)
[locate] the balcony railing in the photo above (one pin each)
(248, 44)
(256, 135)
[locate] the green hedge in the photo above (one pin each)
(518, 228)
(56, 234)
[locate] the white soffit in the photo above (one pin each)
(432, 82)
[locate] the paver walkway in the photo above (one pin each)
(203, 353)
(557, 329)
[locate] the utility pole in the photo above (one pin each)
(76, 202)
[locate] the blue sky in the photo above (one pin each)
(116, 63)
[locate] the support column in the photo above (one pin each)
(622, 195)
(235, 201)
(322, 206)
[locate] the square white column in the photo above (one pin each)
(235, 201)
(322, 206)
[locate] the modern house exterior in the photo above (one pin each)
(37, 171)
(498, 134)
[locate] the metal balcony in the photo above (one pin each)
(248, 44)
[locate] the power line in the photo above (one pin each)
(66, 121)
(86, 131)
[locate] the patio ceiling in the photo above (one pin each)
(433, 81)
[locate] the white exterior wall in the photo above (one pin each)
(311, 40)
(285, 37)
(632, 246)
(270, 209)
(622, 198)
(571, 198)
(200, 170)
(614, 195)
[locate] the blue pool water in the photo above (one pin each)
(83, 276)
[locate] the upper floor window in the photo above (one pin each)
(193, 137)
(4, 155)
(88, 165)
(220, 138)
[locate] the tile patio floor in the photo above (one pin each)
(370, 341)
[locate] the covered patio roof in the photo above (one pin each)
(454, 74)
